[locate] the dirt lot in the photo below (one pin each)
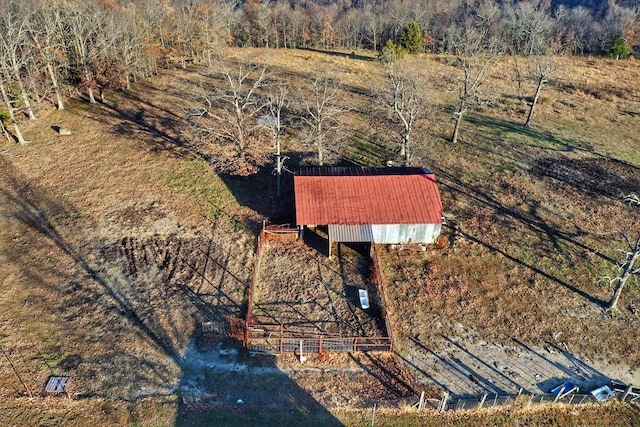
(300, 287)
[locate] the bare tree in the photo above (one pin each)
(46, 32)
(528, 25)
(543, 68)
(275, 105)
(227, 117)
(128, 46)
(11, 111)
(628, 266)
(83, 34)
(13, 51)
(186, 33)
(5, 132)
(474, 55)
(405, 95)
(372, 23)
(321, 115)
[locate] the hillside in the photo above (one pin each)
(118, 240)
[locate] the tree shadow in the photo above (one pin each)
(259, 193)
(454, 375)
(544, 139)
(596, 177)
(531, 219)
(351, 55)
(596, 301)
(397, 384)
(125, 309)
(581, 374)
(467, 370)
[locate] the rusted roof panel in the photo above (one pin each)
(368, 198)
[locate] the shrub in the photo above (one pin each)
(391, 52)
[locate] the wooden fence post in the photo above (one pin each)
(421, 402)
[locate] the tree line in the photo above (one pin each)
(368, 24)
(51, 48)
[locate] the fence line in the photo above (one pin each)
(252, 286)
(491, 400)
(274, 339)
(379, 280)
(280, 231)
(290, 344)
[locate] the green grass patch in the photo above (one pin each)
(194, 179)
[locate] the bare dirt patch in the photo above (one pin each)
(299, 287)
(222, 375)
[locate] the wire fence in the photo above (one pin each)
(446, 403)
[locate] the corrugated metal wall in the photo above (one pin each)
(350, 233)
(404, 234)
(391, 234)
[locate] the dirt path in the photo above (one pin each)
(466, 365)
(222, 374)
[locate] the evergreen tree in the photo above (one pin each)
(619, 48)
(391, 52)
(411, 38)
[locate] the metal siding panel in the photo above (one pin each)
(377, 233)
(386, 233)
(437, 229)
(396, 234)
(350, 233)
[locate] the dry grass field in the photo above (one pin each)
(117, 241)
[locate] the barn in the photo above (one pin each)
(389, 205)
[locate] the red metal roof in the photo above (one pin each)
(367, 199)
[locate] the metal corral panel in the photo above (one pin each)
(350, 233)
(404, 234)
